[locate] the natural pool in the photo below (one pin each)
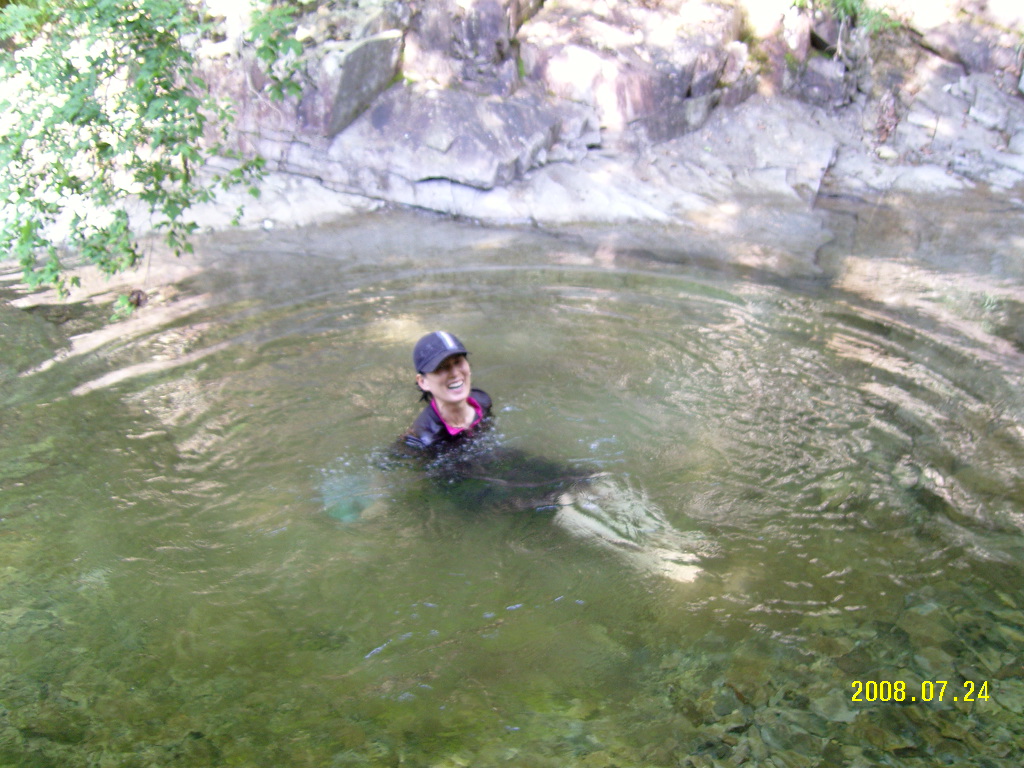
(206, 559)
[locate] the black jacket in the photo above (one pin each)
(428, 431)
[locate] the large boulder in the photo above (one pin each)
(413, 135)
(340, 80)
(981, 35)
(659, 66)
(930, 14)
(483, 142)
(979, 46)
(468, 43)
(358, 73)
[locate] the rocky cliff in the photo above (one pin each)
(671, 111)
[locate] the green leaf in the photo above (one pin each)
(19, 21)
(151, 128)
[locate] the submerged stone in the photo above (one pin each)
(623, 520)
(880, 731)
(1009, 694)
(835, 707)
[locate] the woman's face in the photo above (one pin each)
(450, 382)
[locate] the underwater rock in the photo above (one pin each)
(834, 707)
(879, 730)
(624, 521)
(1010, 694)
(926, 624)
(52, 721)
(195, 749)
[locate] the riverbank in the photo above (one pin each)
(787, 128)
(707, 122)
(770, 184)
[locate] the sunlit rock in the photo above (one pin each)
(636, 65)
(469, 44)
(990, 106)
(504, 103)
(414, 135)
(980, 47)
(765, 17)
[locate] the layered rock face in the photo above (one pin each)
(479, 92)
(659, 69)
(510, 109)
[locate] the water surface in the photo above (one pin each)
(208, 559)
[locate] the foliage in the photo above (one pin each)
(277, 48)
(102, 103)
(122, 309)
(856, 12)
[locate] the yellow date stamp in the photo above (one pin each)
(872, 691)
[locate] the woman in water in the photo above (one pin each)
(454, 409)
(592, 505)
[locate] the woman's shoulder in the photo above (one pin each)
(424, 430)
(482, 398)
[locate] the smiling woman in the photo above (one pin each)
(443, 374)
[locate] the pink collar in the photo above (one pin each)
(453, 431)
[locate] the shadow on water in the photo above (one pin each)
(210, 557)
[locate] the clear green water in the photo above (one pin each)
(184, 579)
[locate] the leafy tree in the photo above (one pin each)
(100, 103)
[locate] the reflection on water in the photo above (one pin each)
(206, 562)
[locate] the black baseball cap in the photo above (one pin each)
(433, 349)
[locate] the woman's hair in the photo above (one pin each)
(425, 396)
